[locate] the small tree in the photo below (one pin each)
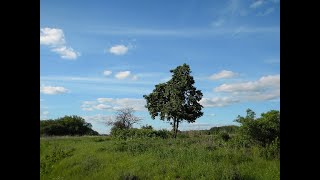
(176, 100)
(124, 119)
(264, 130)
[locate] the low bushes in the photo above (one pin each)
(139, 133)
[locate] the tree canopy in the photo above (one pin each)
(67, 125)
(176, 100)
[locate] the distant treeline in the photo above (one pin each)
(67, 125)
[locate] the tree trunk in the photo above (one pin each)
(174, 128)
(177, 126)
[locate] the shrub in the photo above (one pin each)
(139, 133)
(262, 131)
(147, 127)
(224, 136)
(272, 150)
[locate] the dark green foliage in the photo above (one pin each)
(228, 129)
(263, 130)
(134, 133)
(128, 177)
(67, 125)
(147, 127)
(272, 150)
(177, 99)
(224, 136)
(55, 156)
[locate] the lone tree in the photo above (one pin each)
(124, 119)
(176, 100)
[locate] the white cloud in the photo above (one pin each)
(218, 101)
(104, 100)
(263, 83)
(55, 39)
(102, 107)
(51, 36)
(256, 4)
(112, 104)
(266, 88)
(262, 96)
(98, 118)
(107, 72)
(51, 90)
(66, 52)
(122, 74)
(222, 75)
(118, 49)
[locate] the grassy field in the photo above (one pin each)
(201, 157)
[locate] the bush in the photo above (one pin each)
(229, 129)
(139, 133)
(224, 136)
(262, 131)
(272, 150)
(164, 134)
(147, 127)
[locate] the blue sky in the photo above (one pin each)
(97, 56)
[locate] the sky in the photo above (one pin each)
(99, 56)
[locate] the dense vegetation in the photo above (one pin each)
(67, 125)
(248, 151)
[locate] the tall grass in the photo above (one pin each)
(196, 157)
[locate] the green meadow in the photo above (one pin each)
(192, 155)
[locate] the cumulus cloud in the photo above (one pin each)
(265, 88)
(52, 36)
(122, 74)
(256, 4)
(104, 100)
(98, 118)
(265, 82)
(107, 73)
(223, 75)
(51, 90)
(119, 49)
(218, 101)
(55, 39)
(103, 107)
(66, 52)
(112, 104)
